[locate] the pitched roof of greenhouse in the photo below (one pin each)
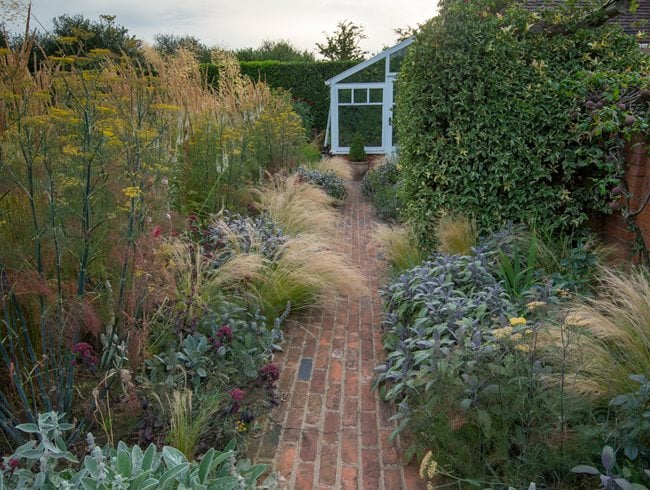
(368, 62)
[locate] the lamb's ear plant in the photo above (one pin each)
(35, 465)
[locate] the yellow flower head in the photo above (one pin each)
(132, 192)
(517, 321)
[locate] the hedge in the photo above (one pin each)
(507, 124)
(305, 80)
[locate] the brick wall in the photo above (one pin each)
(613, 228)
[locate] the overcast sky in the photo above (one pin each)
(241, 23)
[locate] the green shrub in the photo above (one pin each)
(305, 81)
(380, 184)
(464, 369)
(510, 124)
(357, 149)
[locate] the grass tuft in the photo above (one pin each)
(298, 207)
(188, 422)
(456, 234)
(338, 165)
(399, 245)
(614, 333)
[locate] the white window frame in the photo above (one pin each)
(336, 83)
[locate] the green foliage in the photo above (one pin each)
(468, 380)
(509, 124)
(630, 424)
(518, 272)
(123, 467)
(357, 149)
(343, 43)
(305, 81)
(280, 50)
(380, 184)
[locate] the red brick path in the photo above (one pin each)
(331, 431)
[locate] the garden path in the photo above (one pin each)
(331, 430)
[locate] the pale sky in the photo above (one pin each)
(242, 23)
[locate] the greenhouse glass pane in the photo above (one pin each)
(345, 96)
(360, 95)
(396, 60)
(377, 95)
(363, 119)
(373, 73)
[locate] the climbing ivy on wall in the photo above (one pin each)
(515, 116)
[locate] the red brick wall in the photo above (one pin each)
(613, 228)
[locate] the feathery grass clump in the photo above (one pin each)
(298, 207)
(338, 165)
(613, 333)
(305, 274)
(400, 246)
(456, 234)
(188, 422)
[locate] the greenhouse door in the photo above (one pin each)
(359, 109)
(389, 109)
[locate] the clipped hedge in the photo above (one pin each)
(505, 123)
(305, 80)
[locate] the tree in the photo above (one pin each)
(343, 43)
(80, 35)
(280, 50)
(403, 33)
(170, 44)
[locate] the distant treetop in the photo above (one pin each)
(343, 43)
(280, 50)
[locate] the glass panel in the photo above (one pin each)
(363, 119)
(396, 60)
(377, 95)
(345, 96)
(373, 73)
(360, 95)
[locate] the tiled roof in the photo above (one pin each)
(632, 23)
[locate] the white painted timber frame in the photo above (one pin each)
(332, 133)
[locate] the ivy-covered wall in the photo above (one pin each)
(305, 81)
(513, 116)
(615, 229)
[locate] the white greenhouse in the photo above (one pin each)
(362, 101)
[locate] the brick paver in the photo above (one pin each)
(331, 430)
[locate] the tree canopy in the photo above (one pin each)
(79, 34)
(170, 44)
(343, 43)
(280, 50)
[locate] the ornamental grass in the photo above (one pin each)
(298, 208)
(456, 234)
(611, 333)
(338, 165)
(400, 246)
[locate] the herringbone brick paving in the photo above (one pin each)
(331, 430)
